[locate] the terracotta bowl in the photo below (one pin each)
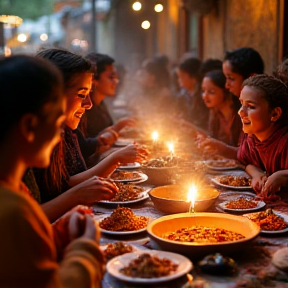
(171, 199)
(170, 223)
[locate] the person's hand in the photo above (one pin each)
(274, 183)
(206, 144)
(95, 189)
(131, 153)
(258, 182)
(123, 123)
(84, 226)
(107, 138)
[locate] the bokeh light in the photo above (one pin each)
(145, 24)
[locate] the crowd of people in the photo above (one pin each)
(53, 140)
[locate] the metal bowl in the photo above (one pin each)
(171, 199)
(171, 223)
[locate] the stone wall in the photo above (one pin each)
(253, 23)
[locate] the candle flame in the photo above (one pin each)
(190, 278)
(170, 147)
(191, 197)
(155, 135)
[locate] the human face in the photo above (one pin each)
(107, 83)
(185, 80)
(50, 123)
(255, 113)
(78, 99)
(212, 95)
(233, 80)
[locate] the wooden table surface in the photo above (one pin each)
(254, 263)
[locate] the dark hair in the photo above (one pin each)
(69, 63)
(100, 61)
(245, 61)
(26, 84)
(210, 65)
(275, 92)
(219, 79)
(282, 71)
(191, 66)
(157, 67)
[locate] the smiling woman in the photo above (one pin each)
(67, 182)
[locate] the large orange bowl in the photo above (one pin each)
(171, 199)
(170, 223)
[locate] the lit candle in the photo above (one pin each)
(155, 136)
(191, 198)
(171, 150)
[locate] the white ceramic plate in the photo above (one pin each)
(284, 216)
(142, 178)
(209, 164)
(129, 166)
(123, 142)
(118, 233)
(216, 180)
(260, 205)
(184, 266)
(142, 196)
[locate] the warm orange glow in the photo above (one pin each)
(155, 136)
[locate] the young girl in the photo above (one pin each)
(239, 65)
(189, 102)
(33, 102)
(224, 122)
(264, 149)
(68, 168)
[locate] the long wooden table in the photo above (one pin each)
(254, 263)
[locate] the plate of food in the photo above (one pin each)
(238, 182)
(128, 194)
(128, 176)
(126, 166)
(221, 164)
(118, 248)
(163, 266)
(123, 221)
(243, 204)
(270, 221)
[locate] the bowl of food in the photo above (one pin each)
(171, 199)
(160, 170)
(198, 234)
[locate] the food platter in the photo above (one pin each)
(127, 166)
(260, 205)
(137, 177)
(142, 196)
(222, 164)
(114, 265)
(120, 233)
(282, 215)
(216, 180)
